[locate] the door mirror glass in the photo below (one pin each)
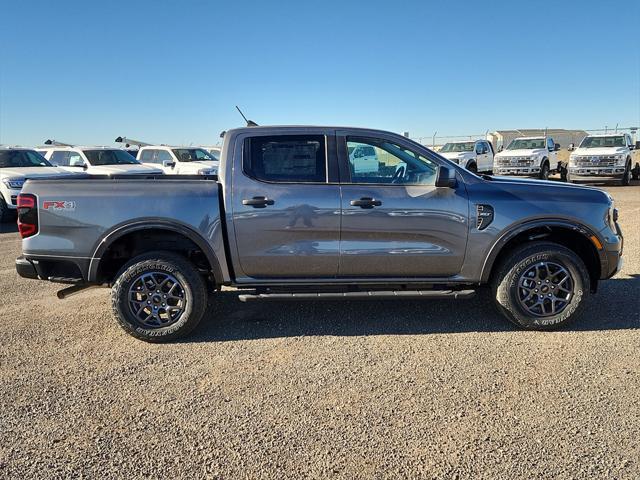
(557, 147)
(446, 177)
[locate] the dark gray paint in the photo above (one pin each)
(311, 235)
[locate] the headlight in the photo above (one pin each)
(15, 183)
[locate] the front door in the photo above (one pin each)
(286, 212)
(395, 221)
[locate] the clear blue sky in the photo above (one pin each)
(171, 72)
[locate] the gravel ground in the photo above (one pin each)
(394, 389)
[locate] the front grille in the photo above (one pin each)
(596, 161)
(515, 162)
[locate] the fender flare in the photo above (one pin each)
(120, 231)
(497, 246)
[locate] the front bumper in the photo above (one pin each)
(524, 171)
(601, 172)
(613, 248)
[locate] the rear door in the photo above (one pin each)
(395, 221)
(285, 205)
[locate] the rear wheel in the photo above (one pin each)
(635, 173)
(564, 175)
(159, 297)
(541, 286)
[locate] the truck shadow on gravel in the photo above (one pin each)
(615, 307)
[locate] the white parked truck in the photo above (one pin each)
(474, 155)
(96, 160)
(16, 166)
(530, 157)
(179, 160)
(607, 156)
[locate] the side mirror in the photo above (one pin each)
(168, 164)
(637, 145)
(571, 147)
(446, 177)
(85, 166)
(556, 147)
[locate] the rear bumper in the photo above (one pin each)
(59, 270)
(26, 268)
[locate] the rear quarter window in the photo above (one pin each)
(291, 158)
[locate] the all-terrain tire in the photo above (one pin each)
(473, 168)
(506, 287)
(159, 265)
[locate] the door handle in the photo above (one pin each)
(366, 202)
(258, 202)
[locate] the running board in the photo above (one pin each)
(433, 294)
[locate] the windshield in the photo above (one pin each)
(596, 142)
(458, 147)
(22, 158)
(215, 154)
(526, 143)
(109, 157)
(193, 155)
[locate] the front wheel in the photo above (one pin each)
(626, 178)
(541, 286)
(159, 297)
(473, 168)
(544, 171)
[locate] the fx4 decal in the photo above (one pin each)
(58, 205)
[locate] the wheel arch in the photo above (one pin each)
(575, 236)
(162, 228)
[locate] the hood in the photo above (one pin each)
(456, 155)
(198, 165)
(31, 172)
(523, 152)
(587, 152)
(543, 187)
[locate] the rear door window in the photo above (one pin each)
(291, 158)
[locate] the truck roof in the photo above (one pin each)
(606, 134)
(79, 147)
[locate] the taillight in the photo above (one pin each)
(27, 215)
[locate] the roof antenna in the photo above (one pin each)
(250, 123)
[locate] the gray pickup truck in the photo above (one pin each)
(291, 217)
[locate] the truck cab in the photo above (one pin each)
(96, 160)
(474, 155)
(530, 157)
(604, 157)
(179, 160)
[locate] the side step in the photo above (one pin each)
(432, 294)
